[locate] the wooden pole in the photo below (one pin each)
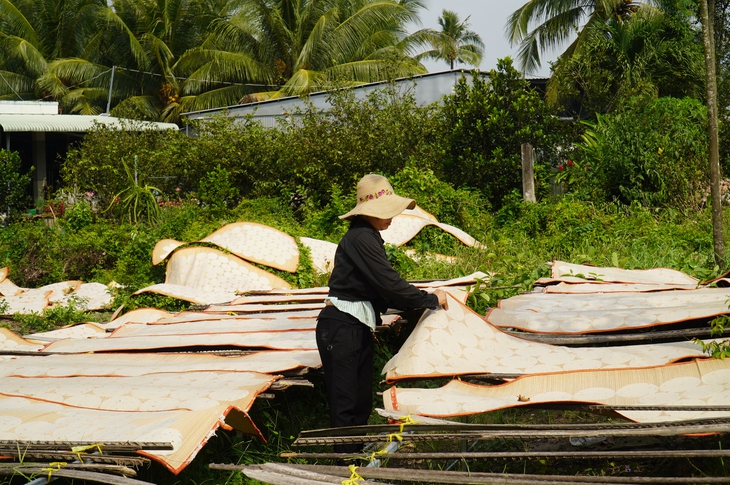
(528, 173)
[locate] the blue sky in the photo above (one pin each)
(488, 19)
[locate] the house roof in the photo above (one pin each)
(73, 123)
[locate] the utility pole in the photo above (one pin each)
(109, 98)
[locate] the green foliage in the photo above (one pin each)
(462, 207)
(53, 317)
(79, 216)
(321, 150)
(718, 349)
(99, 164)
(660, 162)
(653, 53)
(14, 199)
(136, 202)
(484, 126)
(303, 160)
(216, 190)
(148, 300)
(324, 223)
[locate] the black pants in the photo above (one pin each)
(346, 349)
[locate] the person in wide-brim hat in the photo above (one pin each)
(363, 284)
(376, 198)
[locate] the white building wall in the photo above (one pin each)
(29, 107)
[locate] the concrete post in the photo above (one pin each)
(39, 162)
(528, 173)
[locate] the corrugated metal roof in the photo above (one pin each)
(73, 123)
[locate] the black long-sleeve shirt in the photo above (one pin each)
(362, 272)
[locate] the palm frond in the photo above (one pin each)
(25, 52)
(16, 23)
(207, 68)
(148, 106)
(110, 17)
(13, 84)
(303, 82)
(314, 42)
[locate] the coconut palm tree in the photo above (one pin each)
(34, 33)
(272, 48)
(543, 25)
(144, 79)
(454, 42)
(652, 54)
(54, 49)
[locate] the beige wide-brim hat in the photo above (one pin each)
(376, 198)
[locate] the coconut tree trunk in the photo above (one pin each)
(706, 14)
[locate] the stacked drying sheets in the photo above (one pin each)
(576, 299)
(142, 377)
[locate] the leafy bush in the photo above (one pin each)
(462, 207)
(654, 153)
(14, 198)
(226, 159)
(484, 125)
(216, 190)
(53, 317)
(79, 216)
(98, 164)
(378, 134)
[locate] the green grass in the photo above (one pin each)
(520, 240)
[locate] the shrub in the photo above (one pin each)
(654, 153)
(216, 190)
(484, 125)
(323, 149)
(98, 164)
(14, 198)
(79, 216)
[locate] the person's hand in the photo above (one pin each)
(443, 302)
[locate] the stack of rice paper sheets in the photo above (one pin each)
(253, 242)
(579, 278)
(159, 398)
(280, 333)
(403, 228)
(89, 296)
(88, 390)
(206, 275)
(697, 383)
(458, 342)
(103, 382)
(604, 312)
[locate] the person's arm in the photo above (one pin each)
(368, 254)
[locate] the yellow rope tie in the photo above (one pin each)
(354, 477)
(84, 448)
(53, 467)
(375, 454)
(407, 420)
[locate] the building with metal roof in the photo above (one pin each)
(42, 136)
(426, 88)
